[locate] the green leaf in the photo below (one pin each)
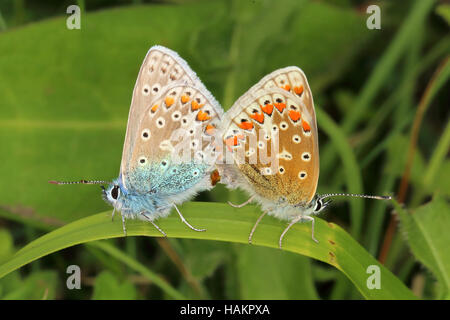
(444, 11)
(108, 287)
(203, 258)
(40, 285)
(6, 245)
(267, 273)
(135, 265)
(427, 232)
(223, 223)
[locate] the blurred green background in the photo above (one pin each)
(382, 99)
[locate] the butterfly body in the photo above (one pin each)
(156, 193)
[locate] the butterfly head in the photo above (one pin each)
(318, 204)
(112, 194)
(315, 206)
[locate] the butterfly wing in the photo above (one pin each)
(173, 150)
(161, 68)
(272, 133)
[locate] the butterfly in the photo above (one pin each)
(271, 134)
(167, 157)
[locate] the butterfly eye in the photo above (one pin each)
(115, 192)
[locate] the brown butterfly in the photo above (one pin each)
(271, 134)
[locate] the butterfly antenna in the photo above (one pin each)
(79, 182)
(355, 196)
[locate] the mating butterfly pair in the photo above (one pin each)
(170, 103)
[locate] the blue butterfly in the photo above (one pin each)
(158, 171)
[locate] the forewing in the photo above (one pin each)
(161, 68)
(174, 132)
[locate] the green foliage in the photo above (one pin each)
(428, 236)
(64, 106)
(335, 246)
(108, 287)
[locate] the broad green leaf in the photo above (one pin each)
(108, 287)
(427, 232)
(335, 246)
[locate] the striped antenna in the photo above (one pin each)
(79, 182)
(355, 195)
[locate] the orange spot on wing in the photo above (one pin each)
(306, 126)
(195, 105)
(258, 117)
(210, 129)
(268, 108)
(294, 115)
(280, 106)
(298, 90)
(202, 116)
(184, 98)
(169, 101)
(233, 141)
(246, 125)
(153, 109)
(287, 87)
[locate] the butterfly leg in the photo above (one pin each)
(242, 204)
(112, 216)
(154, 224)
(294, 221)
(124, 225)
(184, 220)
(312, 227)
(254, 227)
